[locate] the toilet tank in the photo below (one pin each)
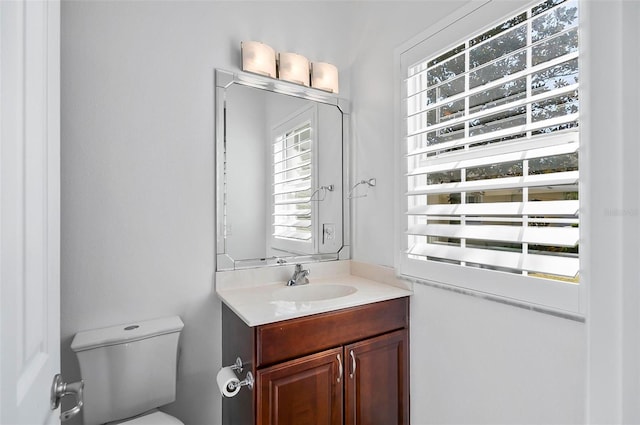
(127, 369)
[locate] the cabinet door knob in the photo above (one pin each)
(353, 364)
(339, 367)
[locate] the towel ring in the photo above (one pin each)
(369, 182)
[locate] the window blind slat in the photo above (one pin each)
(306, 212)
(304, 201)
(556, 236)
(552, 179)
(302, 186)
(295, 228)
(486, 219)
(556, 265)
(507, 132)
(292, 222)
(517, 145)
(293, 234)
(295, 167)
(295, 178)
(542, 208)
(497, 159)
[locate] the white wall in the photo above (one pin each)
(612, 209)
(630, 297)
(481, 362)
(137, 199)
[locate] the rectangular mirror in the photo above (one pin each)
(281, 173)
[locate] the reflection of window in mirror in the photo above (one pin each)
(293, 177)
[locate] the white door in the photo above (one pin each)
(29, 209)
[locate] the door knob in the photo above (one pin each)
(59, 389)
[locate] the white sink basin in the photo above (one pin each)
(312, 292)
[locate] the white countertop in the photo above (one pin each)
(261, 304)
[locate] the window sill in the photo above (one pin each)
(577, 317)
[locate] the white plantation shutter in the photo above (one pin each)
(292, 159)
(491, 149)
(293, 177)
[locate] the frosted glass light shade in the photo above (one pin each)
(258, 58)
(324, 76)
(293, 67)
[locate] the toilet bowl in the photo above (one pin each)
(129, 371)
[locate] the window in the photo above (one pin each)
(490, 151)
(293, 177)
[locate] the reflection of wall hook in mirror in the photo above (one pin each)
(368, 182)
(323, 190)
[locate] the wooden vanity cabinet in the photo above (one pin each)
(307, 390)
(348, 366)
(377, 392)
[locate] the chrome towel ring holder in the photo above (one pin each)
(369, 182)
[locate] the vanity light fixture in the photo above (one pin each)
(293, 67)
(324, 76)
(258, 58)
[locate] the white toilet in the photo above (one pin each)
(129, 371)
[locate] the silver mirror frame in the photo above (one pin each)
(223, 79)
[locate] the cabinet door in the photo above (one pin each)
(377, 381)
(304, 391)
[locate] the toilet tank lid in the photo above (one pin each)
(129, 332)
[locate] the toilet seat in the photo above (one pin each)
(155, 417)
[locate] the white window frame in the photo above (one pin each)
(278, 246)
(547, 295)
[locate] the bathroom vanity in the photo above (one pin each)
(328, 363)
(333, 351)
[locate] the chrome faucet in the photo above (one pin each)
(299, 276)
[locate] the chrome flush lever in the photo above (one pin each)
(59, 389)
